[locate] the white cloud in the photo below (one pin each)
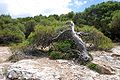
(79, 2)
(36, 7)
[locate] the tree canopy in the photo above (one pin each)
(103, 16)
(100, 16)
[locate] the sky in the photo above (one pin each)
(25, 8)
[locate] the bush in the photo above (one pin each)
(98, 68)
(11, 34)
(43, 35)
(96, 37)
(94, 67)
(55, 55)
(20, 46)
(64, 48)
(115, 26)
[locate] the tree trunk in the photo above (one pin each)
(81, 47)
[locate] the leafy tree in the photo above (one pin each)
(55, 16)
(11, 33)
(29, 27)
(6, 19)
(115, 25)
(65, 17)
(79, 19)
(99, 15)
(70, 15)
(96, 37)
(39, 18)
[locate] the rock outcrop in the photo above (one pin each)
(46, 69)
(5, 53)
(30, 69)
(3, 69)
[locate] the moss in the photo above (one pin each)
(94, 67)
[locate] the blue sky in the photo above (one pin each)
(24, 8)
(86, 4)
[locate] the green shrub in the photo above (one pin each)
(68, 55)
(43, 35)
(8, 36)
(64, 49)
(96, 37)
(20, 46)
(98, 68)
(55, 55)
(60, 55)
(94, 67)
(11, 33)
(32, 37)
(62, 46)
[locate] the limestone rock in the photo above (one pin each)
(29, 69)
(5, 53)
(46, 69)
(104, 68)
(3, 69)
(116, 56)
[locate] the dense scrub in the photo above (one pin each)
(10, 33)
(101, 16)
(104, 17)
(96, 38)
(64, 49)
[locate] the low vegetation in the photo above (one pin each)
(94, 67)
(96, 38)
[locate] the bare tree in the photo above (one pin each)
(74, 36)
(80, 51)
